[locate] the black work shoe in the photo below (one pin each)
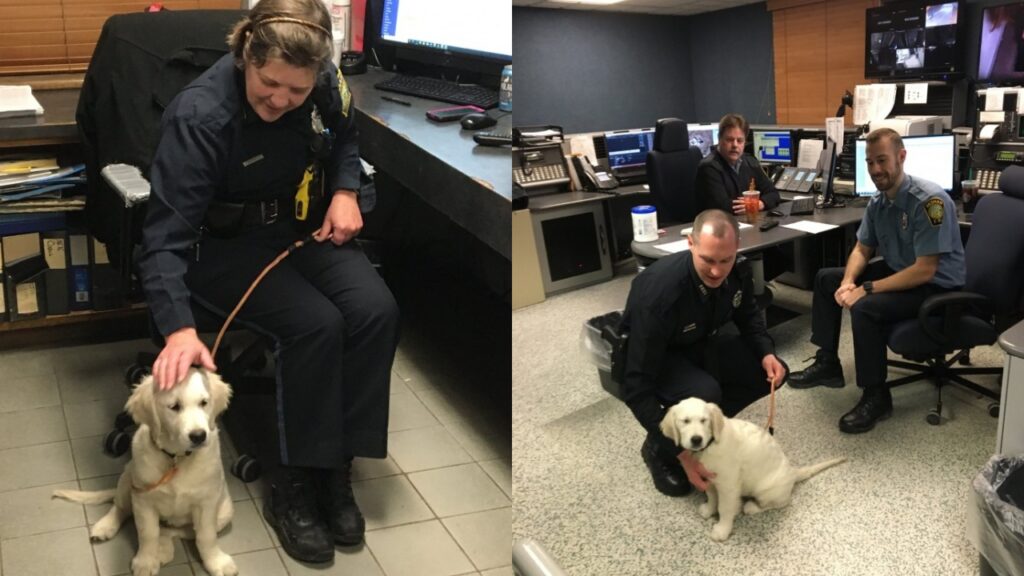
(825, 371)
(291, 511)
(873, 407)
(344, 520)
(667, 473)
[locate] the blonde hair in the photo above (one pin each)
(297, 31)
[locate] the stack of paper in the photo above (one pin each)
(18, 101)
(39, 183)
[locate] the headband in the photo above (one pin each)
(293, 21)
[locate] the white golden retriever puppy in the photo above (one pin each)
(745, 458)
(174, 482)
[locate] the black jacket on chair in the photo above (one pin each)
(142, 60)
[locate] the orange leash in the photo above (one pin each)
(163, 480)
(295, 246)
(771, 409)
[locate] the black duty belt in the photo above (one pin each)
(226, 219)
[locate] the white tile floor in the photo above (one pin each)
(440, 504)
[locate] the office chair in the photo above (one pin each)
(949, 325)
(141, 61)
(672, 172)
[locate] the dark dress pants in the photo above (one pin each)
(334, 325)
(723, 370)
(872, 318)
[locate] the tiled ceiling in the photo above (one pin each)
(671, 7)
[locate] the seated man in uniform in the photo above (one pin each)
(673, 315)
(913, 224)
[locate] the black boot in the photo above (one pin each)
(666, 471)
(291, 511)
(874, 405)
(344, 519)
(826, 371)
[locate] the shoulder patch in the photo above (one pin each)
(935, 209)
(343, 92)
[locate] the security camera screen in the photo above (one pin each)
(912, 41)
(703, 136)
(1002, 46)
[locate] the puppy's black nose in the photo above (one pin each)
(695, 440)
(197, 437)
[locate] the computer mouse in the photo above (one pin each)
(476, 121)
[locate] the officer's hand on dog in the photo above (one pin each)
(182, 350)
(696, 473)
(343, 220)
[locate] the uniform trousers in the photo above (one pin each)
(872, 318)
(334, 325)
(723, 369)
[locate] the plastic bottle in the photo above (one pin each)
(340, 11)
(505, 94)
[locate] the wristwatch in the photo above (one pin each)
(869, 287)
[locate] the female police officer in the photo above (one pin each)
(234, 148)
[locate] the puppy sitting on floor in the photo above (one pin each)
(175, 479)
(745, 459)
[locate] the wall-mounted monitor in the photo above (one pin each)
(627, 149)
(915, 39)
(1001, 54)
(703, 136)
(462, 35)
(773, 146)
(928, 157)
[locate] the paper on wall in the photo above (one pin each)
(873, 102)
(916, 93)
(994, 99)
(834, 131)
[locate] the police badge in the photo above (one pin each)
(904, 221)
(737, 298)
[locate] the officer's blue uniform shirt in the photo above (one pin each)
(920, 221)
(213, 146)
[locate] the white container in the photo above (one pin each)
(645, 223)
(340, 11)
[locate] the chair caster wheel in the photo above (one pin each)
(116, 443)
(123, 422)
(993, 409)
(934, 417)
(246, 468)
(134, 374)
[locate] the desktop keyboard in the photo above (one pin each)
(442, 90)
(802, 206)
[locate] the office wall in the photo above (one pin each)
(732, 64)
(594, 71)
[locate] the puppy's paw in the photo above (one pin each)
(103, 530)
(751, 507)
(220, 565)
(705, 510)
(145, 565)
(720, 532)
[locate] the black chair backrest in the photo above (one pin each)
(995, 249)
(672, 171)
(142, 60)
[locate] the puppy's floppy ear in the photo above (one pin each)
(220, 392)
(142, 407)
(717, 419)
(669, 428)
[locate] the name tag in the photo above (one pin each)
(689, 328)
(252, 160)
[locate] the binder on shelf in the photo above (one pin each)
(58, 261)
(80, 284)
(106, 283)
(3, 284)
(24, 286)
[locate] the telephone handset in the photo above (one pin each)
(591, 180)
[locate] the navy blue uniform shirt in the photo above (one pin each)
(214, 146)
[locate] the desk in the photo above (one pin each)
(1010, 438)
(55, 126)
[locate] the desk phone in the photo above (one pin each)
(795, 179)
(988, 180)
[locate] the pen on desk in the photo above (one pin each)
(397, 101)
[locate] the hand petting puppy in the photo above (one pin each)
(696, 473)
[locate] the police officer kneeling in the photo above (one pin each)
(673, 315)
(913, 223)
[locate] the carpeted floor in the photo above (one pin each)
(898, 506)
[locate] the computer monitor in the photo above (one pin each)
(703, 136)
(627, 149)
(928, 157)
(774, 146)
(467, 35)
